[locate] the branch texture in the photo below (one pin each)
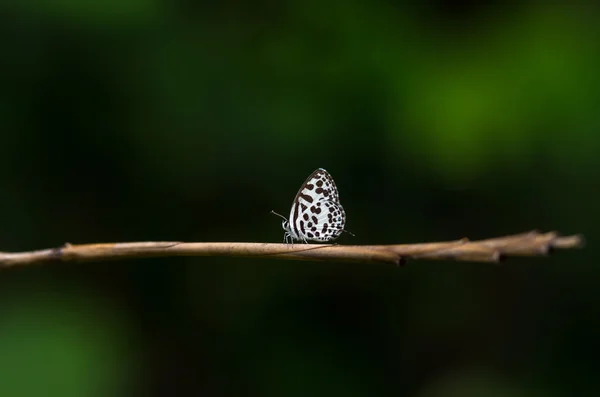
(490, 250)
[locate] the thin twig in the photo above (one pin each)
(491, 250)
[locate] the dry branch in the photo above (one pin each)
(490, 250)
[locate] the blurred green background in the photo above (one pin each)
(137, 120)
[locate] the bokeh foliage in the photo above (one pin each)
(149, 120)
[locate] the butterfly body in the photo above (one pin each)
(316, 212)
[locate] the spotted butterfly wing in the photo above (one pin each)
(316, 211)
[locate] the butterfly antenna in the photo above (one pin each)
(350, 233)
(279, 215)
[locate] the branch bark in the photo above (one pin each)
(491, 250)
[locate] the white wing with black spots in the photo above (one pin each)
(316, 212)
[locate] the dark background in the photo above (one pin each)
(134, 120)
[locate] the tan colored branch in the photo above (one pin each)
(491, 250)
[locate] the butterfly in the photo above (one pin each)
(316, 213)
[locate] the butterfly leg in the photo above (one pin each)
(288, 239)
